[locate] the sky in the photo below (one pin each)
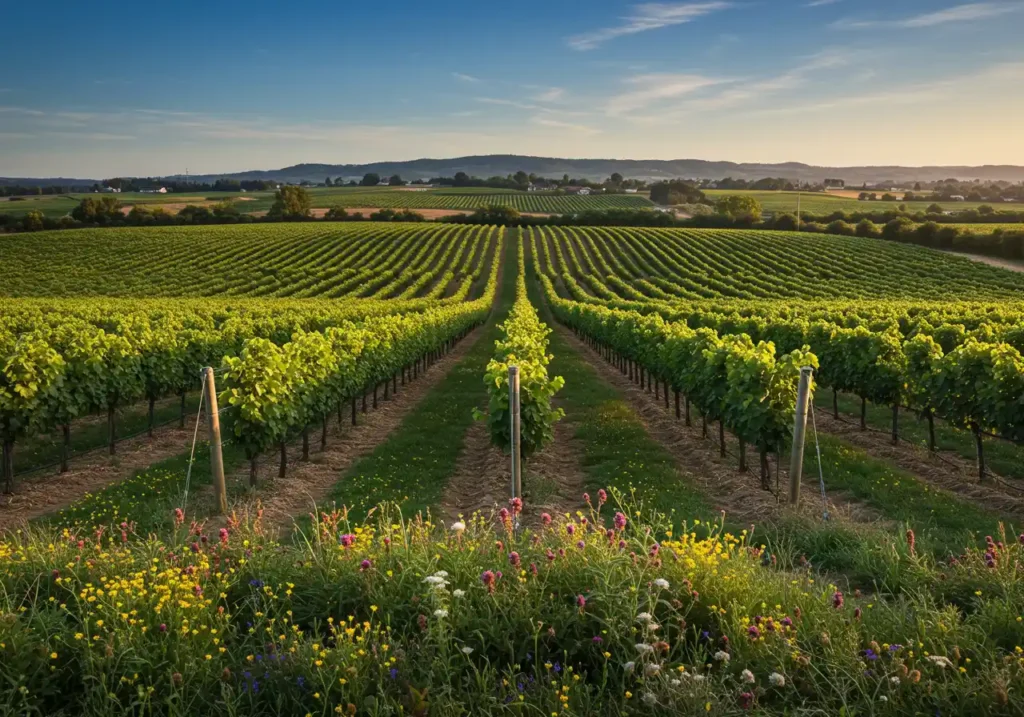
(231, 86)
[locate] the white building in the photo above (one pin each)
(161, 190)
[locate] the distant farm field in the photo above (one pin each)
(820, 203)
(379, 197)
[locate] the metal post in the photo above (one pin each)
(513, 408)
(796, 465)
(216, 456)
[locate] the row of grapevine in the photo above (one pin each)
(524, 344)
(64, 359)
(521, 201)
(298, 260)
(958, 360)
(701, 264)
(730, 379)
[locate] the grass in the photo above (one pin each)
(148, 497)
(820, 203)
(413, 465)
(1004, 458)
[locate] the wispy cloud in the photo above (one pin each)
(501, 102)
(941, 91)
(465, 78)
(651, 88)
(545, 121)
(553, 94)
(821, 3)
(21, 111)
(952, 15)
(648, 16)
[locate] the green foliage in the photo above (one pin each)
(739, 207)
(291, 202)
(524, 344)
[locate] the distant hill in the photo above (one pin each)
(596, 169)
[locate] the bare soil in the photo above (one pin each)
(1011, 264)
(308, 482)
(737, 493)
(91, 472)
(482, 478)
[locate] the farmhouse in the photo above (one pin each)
(630, 191)
(161, 190)
(584, 191)
(958, 198)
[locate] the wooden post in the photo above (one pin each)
(796, 465)
(980, 447)
(112, 429)
(677, 405)
(895, 424)
(216, 456)
(513, 406)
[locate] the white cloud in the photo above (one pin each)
(506, 103)
(465, 78)
(940, 91)
(21, 111)
(821, 3)
(545, 121)
(648, 16)
(651, 88)
(957, 14)
(553, 94)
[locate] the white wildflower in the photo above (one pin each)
(644, 649)
(661, 583)
(941, 661)
(894, 680)
(644, 617)
(439, 613)
(722, 656)
(649, 698)
(652, 669)
(883, 698)
(747, 676)
(776, 680)
(676, 683)
(441, 574)
(629, 666)
(698, 678)
(467, 650)
(458, 526)
(458, 593)
(435, 581)
(653, 626)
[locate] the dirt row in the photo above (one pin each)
(91, 472)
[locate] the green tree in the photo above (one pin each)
(740, 208)
(395, 181)
(327, 182)
(934, 209)
(33, 221)
(615, 179)
(370, 179)
(291, 203)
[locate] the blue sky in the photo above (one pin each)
(229, 86)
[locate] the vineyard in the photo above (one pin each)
(521, 201)
(651, 564)
(456, 199)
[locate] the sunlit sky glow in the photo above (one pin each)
(230, 86)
